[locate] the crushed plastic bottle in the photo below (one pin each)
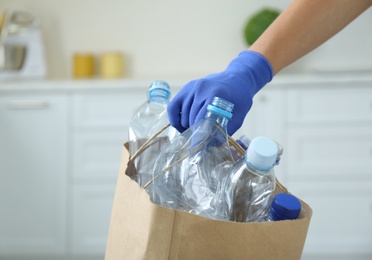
(243, 141)
(188, 173)
(150, 117)
(247, 191)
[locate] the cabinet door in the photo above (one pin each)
(341, 222)
(96, 156)
(33, 159)
(329, 144)
(90, 222)
(266, 115)
(100, 128)
(266, 119)
(111, 110)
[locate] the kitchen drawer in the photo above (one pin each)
(106, 110)
(96, 156)
(327, 152)
(90, 218)
(351, 104)
(342, 213)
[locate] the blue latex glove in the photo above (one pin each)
(241, 80)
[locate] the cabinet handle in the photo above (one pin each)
(27, 104)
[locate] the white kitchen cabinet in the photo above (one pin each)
(90, 218)
(330, 153)
(325, 127)
(33, 167)
(60, 145)
(106, 109)
(342, 213)
(99, 130)
(328, 130)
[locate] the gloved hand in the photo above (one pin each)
(241, 80)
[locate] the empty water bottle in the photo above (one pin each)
(243, 142)
(248, 189)
(188, 172)
(150, 117)
(284, 207)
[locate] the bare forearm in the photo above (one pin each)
(303, 26)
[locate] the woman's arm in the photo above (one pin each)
(303, 26)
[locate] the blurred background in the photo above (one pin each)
(68, 95)
(174, 38)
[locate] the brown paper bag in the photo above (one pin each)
(140, 229)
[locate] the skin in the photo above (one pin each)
(303, 26)
(299, 29)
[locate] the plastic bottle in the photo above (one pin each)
(284, 207)
(243, 142)
(280, 153)
(189, 171)
(247, 191)
(150, 117)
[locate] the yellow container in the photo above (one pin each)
(112, 65)
(83, 64)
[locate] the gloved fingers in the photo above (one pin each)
(180, 106)
(238, 117)
(174, 110)
(187, 103)
(232, 127)
(198, 111)
(203, 94)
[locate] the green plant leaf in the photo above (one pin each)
(258, 23)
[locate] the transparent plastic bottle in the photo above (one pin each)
(189, 171)
(150, 117)
(280, 153)
(247, 191)
(284, 207)
(243, 142)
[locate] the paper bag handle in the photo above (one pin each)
(146, 144)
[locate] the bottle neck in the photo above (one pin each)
(256, 171)
(159, 100)
(220, 120)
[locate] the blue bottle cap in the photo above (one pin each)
(221, 107)
(159, 89)
(285, 206)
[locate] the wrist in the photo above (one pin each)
(253, 67)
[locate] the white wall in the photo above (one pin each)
(170, 39)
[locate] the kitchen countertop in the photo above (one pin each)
(281, 80)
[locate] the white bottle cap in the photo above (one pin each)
(261, 154)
